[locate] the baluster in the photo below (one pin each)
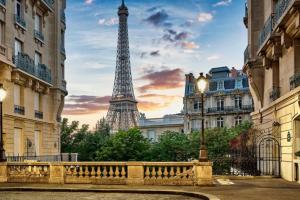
(86, 171)
(93, 171)
(123, 173)
(184, 173)
(147, 173)
(80, 171)
(153, 173)
(111, 172)
(104, 172)
(98, 172)
(166, 173)
(172, 172)
(178, 172)
(117, 172)
(159, 173)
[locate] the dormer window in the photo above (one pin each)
(220, 85)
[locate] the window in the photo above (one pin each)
(63, 72)
(37, 58)
(238, 83)
(151, 135)
(36, 101)
(2, 32)
(38, 23)
(197, 105)
(62, 39)
(37, 142)
(17, 142)
(220, 122)
(17, 95)
(18, 47)
(18, 8)
(220, 104)
(238, 120)
(220, 85)
(238, 102)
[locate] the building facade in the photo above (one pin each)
(227, 101)
(272, 63)
(152, 128)
(32, 57)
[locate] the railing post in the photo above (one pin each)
(202, 173)
(56, 173)
(3, 172)
(135, 173)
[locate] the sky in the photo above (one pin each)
(167, 38)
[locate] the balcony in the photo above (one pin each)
(245, 19)
(280, 8)
(246, 55)
(63, 17)
(38, 114)
(39, 36)
(3, 3)
(275, 93)
(26, 64)
(20, 21)
(295, 81)
(48, 4)
(62, 49)
(266, 32)
(19, 110)
(230, 109)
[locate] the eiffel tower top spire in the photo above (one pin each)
(123, 9)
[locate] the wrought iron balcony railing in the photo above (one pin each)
(20, 21)
(38, 114)
(295, 81)
(39, 35)
(26, 64)
(62, 49)
(19, 110)
(246, 15)
(48, 3)
(246, 55)
(3, 2)
(280, 8)
(228, 109)
(275, 93)
(266, 31)
(63, 16)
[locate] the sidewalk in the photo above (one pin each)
(245, 189)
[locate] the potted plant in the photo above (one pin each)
(297, 154)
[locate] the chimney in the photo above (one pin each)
(234, 73)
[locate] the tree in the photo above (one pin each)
(125, 146)
(67, 133)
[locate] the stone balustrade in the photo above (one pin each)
(108, 173)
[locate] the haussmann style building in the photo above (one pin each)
(32, 56)
(227, 101)
(272, 62)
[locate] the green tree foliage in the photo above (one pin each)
(125, 146)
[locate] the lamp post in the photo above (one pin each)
(2, 97)
(201, 86)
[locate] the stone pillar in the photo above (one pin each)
(3, 172)
(135, 173)
(56, 173)
(202, 173)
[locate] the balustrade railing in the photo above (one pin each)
(3, 2)
(280, 8)
(25, 63)
(266, 31)
(168, 173)
(39, 35)
(97, 173)
(274, 93)
(63, 157)
(48, 3)
(295, 81)
(226, 109)
(28, 172)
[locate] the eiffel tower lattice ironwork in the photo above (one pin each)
(123, 113)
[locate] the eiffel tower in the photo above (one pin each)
(123, 113)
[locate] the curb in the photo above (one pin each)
(134, 191)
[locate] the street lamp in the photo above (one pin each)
(201, 86)
(2, 97)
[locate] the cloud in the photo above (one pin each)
(213, 57)
(181, 36)
(88, 2)
(155, 53)
(189, 45)
(150, 102)
(108, 22)
(84, 104)
(205, 17)
(162, 80)
(159, 19)
(222, 3)
(188, 23)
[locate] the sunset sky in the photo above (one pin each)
(168, 38)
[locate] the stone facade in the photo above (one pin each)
(272, 62)
(152, 128)
(227, 101)
(32, 57)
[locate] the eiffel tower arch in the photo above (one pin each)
(123, 113)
